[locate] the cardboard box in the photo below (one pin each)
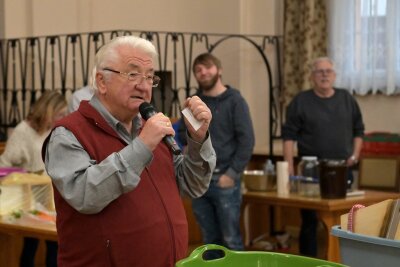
(377, 220)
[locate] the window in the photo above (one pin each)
(364, 41)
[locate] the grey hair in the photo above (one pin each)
(109, 52)
(319, 59)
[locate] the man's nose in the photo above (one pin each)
(142, 84)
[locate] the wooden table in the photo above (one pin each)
(328, 210)
(11, 233)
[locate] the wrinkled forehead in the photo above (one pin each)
(135, 58)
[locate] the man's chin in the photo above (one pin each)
(207, 86)
(134, 103)
(137, 100)
(325, 85)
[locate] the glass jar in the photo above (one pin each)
(308, 177)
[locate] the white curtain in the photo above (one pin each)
(364, 43)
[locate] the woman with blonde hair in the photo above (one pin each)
(23, 149)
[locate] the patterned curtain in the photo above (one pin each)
(305, 38)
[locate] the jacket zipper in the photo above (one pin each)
(166, 214)
(108, 248)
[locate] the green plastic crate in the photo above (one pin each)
(250, 259)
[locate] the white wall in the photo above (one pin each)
(1, 16)
(44, 17)
(380, 113)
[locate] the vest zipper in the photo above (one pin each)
(171, 228)
(108, 248)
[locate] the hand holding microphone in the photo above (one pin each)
(158, 127)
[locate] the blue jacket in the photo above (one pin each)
(231, 131)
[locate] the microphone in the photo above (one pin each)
(147, 111)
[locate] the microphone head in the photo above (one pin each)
(146, 110)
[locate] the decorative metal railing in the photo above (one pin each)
(28, 66)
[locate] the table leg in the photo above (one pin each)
(9, 248)
(255, 222)
(277, 224)
(246, 224)
(330, 219)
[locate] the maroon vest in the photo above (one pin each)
(144, 227)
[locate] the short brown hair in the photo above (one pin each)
(42, 112)
(207, 59)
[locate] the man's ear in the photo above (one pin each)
(220, 72)
(101, 83)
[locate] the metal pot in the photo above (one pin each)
(258, 180)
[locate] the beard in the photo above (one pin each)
(208, 85)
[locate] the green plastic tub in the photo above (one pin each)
(250, 259)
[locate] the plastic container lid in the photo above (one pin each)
(269, 167)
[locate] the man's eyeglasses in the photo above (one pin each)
(321, 72)
(153, 80)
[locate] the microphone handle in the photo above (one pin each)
(169, 140)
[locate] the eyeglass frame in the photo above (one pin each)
(321, 72)
(133, 75)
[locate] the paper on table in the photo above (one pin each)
(282, 173)
(355, 193)
(192, 120)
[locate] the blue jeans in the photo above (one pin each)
(218, 214)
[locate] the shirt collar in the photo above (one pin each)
(113, 122)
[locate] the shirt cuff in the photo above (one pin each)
(200, 151)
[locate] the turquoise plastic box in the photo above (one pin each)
(360, 250)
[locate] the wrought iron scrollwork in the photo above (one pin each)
(28, 66)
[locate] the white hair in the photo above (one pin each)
(319, 59)
(109, 52)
